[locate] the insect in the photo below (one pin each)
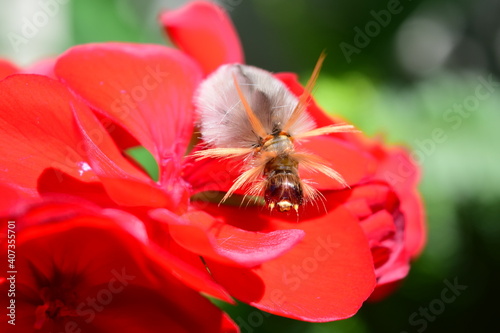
(247, 113)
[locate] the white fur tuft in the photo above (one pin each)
(223, 120)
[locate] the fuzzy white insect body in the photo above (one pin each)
(224, 122)
(246, 112)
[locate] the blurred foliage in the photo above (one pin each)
(125, 20)
(141, 157)
(428, 58)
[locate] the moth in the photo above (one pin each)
(246, 113)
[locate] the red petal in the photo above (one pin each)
(102, 268)
(359, 208)
(7, 68)
(397, 169)
(194, 276)
(378, 226)
(377, 195)
(169, 261)
(37, 132)
(202, 234)
(210, 174)
(390, 259)
(204, 31)
(121, 136)
(385, 228)
(53, 183)
(146, 89)
(148, 310)
(349, 161)
(45, 138)
(12, 200)
(124, 183)
(325, 277)
(416, 229)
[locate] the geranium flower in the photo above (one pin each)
(79, 268)
(62, 148)
(383, 180)
(71, 134)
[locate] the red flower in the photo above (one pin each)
(385, 200)
(205, 32)
(79, 268)
(70, 137)
(383, 180)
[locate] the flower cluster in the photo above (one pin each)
(100, 246)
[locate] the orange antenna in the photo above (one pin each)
(254, 121)
(303, 99)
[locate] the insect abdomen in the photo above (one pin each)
(283, 185)
(283, 190)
